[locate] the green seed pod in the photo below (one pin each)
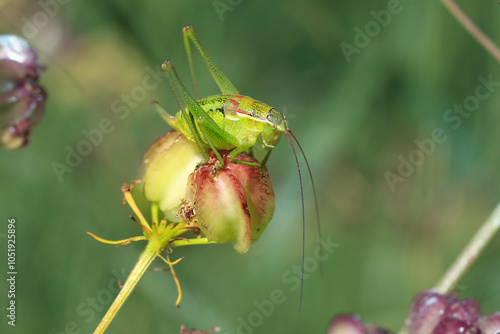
(166, 166)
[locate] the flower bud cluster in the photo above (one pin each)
(435, 313)
(228, 202)
(352, 324)
(22, 100)
(231, 203)
(430, 313)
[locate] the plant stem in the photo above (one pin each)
(147, 256)
(478, 242)
(472, 28)
(470, 253)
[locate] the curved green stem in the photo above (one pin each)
(472, 28)
(190, 242)
(470, 252)
(147, 256)
(463, 262)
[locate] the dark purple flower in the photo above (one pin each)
(430, 313)
(22, 100)
(427, 310)
(467, 310)
(346, 324)
(352, 324)
(435, 313)
(454, 326)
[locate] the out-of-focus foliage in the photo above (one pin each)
(356, 120)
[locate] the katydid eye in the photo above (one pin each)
(274, 117)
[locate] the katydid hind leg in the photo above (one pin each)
(210, 143)
(222, 81)
(187, 47)
(185, 101)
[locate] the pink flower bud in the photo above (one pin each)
(352, 324)
(467, 310)
(372, 329)
(22, 100)
(434, 313)
(346, 324)
(454, 326)
(233, 203)
(427, 310)
(489, 324)
(166, 166)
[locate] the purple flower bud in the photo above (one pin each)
(467, 310)
(346, 324)
(427, 310)
(489, 324)
(454, 326)
(19, 59)
(233, 203)
(22, 100)
(371, 329)
(352, 324)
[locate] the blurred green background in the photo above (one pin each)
(355, 119)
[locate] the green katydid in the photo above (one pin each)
(229, 121)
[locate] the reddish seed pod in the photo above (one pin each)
(233, 202)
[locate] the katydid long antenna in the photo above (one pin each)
(315, 201)
(303, 209)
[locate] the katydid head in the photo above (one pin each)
(275, 126)
(277, 120)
